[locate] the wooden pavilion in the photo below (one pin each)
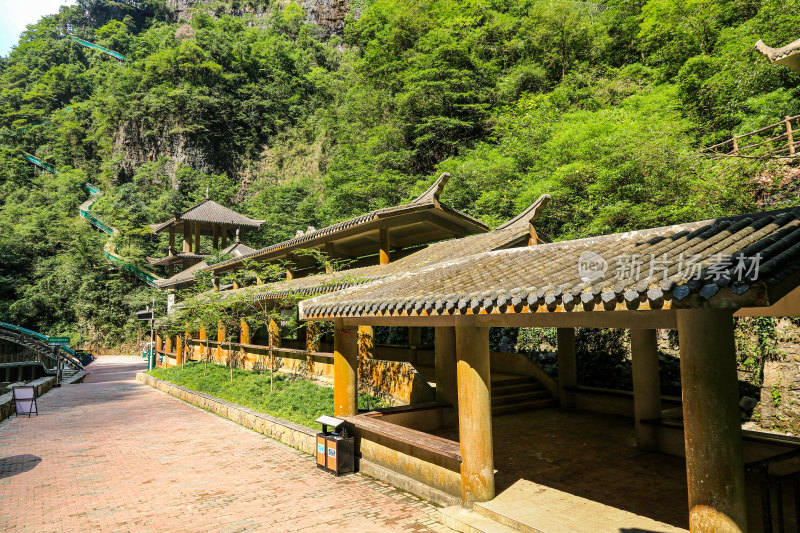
(691, 277)
(209, 219)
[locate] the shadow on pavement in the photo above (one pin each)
(17, 464)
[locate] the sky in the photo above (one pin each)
(16, 14)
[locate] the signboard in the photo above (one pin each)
(25, 400)
(58, 341)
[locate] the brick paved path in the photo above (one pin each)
(113, 454)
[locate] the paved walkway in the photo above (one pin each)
(112, 454)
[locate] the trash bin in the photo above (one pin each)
(335, 448)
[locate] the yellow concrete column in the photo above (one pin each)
(567, 366)
(712, 427)
(244, 338)
(329, 253)
(289, 274)
(366, 351)
(475, 414)
(259, 281)
(446, 374)
(236, 285)
(345, 370)
(203, 335)
(384, 246)
(275, 333)
(220, 339)
(178, 350)
(313, 339)
(646, 387)
(215, 283)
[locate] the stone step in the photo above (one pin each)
(519, 397)
(513, 380)
(532, 508)
(524, 406)
(502, 389)
(459, 519)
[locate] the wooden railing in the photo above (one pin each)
(773, 141)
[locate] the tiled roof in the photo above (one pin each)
(181, 277)
(685, 265)
(512, 234)
(238, 249)
(429, 199)
(211, 212)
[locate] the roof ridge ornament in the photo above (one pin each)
(433, 192)
(788, 55)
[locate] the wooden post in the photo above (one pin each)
(224, 231)
(236, 284)
(197, 237)
(735, 144)
(567, 366)
(366, 351)
(244, 338)
(446, 374)
(215, 283)
(789, 134)
(712, 428)
(171, 270)
(345, 370)
(216, 236)
(646, 387)
(259, 281)
(383, 237)
(187, 237)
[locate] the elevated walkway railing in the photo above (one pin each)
(774, 141)
(103, 49)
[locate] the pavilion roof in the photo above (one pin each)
(423, 215)
(210, 212)
(514, 233)
(184, 276)
(679, 266)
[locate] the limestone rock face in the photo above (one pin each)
(328, 14)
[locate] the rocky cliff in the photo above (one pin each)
(328, 14)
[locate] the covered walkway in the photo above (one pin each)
(112, 454)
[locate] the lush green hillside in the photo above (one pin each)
(602, 106)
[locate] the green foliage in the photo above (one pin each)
(604, 110)
(294, 399)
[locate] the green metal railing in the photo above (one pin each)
(39, 163)
(98, 47)
(34, 334)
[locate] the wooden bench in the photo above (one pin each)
(411, 437)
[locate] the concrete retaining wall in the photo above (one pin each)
(294, 435)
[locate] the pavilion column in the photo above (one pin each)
(197, 237)
(383, 237)
(329, 253)
(245, 336)
(224, 235)
(171, 238)
(646, 387)
(366, 351)
(712, 428)
(178, 350)
(202, 336)
(167, 349)
(220, 339)
(345, 369)
(313, 340)
(446, 374)
(567, 366)
(187, 237)
(171, 270)
(475, 414)
(216, 237)
(414, 342)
